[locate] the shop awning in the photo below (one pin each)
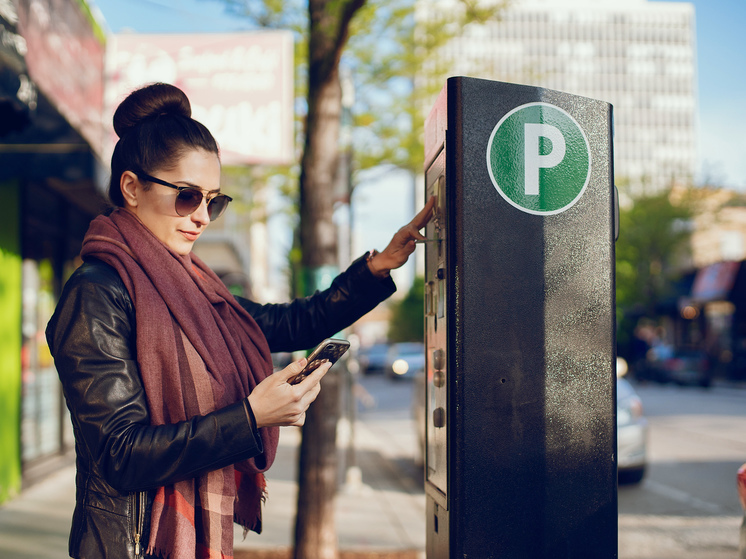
(715, 282)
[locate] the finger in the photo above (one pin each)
(405, 235)
(413, 234)
(313, 377)
(426, 213)
(316, 376)
(405, 244)
(310, 396)
(291, 370)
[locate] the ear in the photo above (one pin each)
(128, 185)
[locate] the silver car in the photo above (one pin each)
(632, 429)
(632, 433)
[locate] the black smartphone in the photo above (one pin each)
(330, 349)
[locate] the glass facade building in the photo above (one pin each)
(639, 56)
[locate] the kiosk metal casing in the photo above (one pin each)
(520, 333)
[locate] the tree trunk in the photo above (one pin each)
(315, 527)
(315, 530)
(318, 172)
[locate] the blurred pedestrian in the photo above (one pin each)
(168, 377)
(639, 348)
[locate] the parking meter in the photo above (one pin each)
(520, 324)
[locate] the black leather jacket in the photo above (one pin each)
(121, 458)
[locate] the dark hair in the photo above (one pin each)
(155, 130)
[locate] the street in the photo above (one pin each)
(686, 507)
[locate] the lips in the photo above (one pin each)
(189, 235)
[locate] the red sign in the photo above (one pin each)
(65, 59)
(240, 85)
(715, 282)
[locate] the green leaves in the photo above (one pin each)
(650, 253)
(651, 243)
(406, 323)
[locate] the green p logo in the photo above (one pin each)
(539, 159)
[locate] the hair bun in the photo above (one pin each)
(149, 102)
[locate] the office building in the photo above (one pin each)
(638, 55)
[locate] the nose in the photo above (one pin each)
(201, 216)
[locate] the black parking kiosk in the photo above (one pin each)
(520, 324)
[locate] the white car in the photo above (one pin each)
(632, 434)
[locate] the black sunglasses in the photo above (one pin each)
(189, 198)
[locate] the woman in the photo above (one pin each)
(167, 376)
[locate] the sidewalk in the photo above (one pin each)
(383, 515)
(380, 517)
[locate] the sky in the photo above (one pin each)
(721, 57)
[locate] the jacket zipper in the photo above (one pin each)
(139, 509)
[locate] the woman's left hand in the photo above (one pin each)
(402, 244)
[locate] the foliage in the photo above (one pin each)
(654, 231)
(271, 14)
(406, 323)
(397, 74)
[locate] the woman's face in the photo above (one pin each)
(155, 206)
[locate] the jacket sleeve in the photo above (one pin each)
(303, 323)
(92, 339)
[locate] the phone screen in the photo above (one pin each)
(328, 350)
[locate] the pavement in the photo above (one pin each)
(380, 508)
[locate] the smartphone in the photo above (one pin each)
(330, 350)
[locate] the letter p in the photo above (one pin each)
(534, 160)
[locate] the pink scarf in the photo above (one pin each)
(198, 350)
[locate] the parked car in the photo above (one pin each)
(405, 360)
(741, 481)
(686, 367)
(632, 427)
(373, 359)
(632, 433)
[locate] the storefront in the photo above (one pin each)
(718, 304)
(51, 98)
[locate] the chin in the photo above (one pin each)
(182, 249)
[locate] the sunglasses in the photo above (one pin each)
(189, 198)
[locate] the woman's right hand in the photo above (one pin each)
(276, 403)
